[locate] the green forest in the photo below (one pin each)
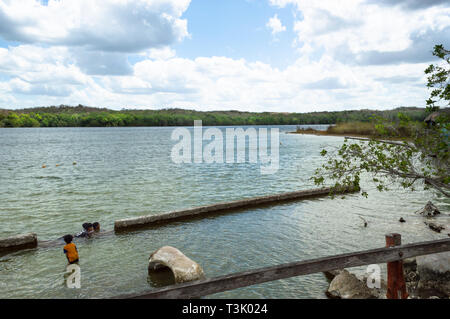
(82, 116)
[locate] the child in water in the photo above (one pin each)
(88, 229)
(96, 226)
(70, 249)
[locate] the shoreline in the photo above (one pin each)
(325, 133)
(349, 135)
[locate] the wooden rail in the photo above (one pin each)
(248, 278)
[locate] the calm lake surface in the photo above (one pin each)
(126, 172)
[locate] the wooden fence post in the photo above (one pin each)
(396, 287)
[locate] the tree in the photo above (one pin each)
(28, 121)
(405, 152)
(12, 120)
(438, 78)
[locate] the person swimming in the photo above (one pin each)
(96, 226)
(88, 229)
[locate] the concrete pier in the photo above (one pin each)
(150, 220)
(18, 242)
(30, 240)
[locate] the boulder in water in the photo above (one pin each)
(183, 268)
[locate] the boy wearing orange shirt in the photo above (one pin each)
(70, 250)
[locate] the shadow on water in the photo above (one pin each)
(161, 277)
(57, 178)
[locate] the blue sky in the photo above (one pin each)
(237, 29)
(253, 55)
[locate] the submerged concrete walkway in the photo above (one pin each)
(18, 242)
(203, 211)
(30, 240)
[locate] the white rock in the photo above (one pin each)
(438, 263)
(347, 286)
(183, 268)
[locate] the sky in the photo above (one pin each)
(249, 55)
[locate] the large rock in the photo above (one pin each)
(430, 266)
(425, 277)
(347, 286)
(183, 268)
(331, 274)
(434, 273)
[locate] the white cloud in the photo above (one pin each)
(40, 71)
(355, 55)
(160, 53)
(358, 31)
(275, 25)
(410, 4)
(99, 35)
(115, 25)
(207, 83)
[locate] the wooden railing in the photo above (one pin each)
(392, 254)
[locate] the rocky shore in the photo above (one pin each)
(426, 277)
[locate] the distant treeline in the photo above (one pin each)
(81, 116)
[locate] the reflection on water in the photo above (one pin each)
(125, 172)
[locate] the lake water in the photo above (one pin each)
(126, 172)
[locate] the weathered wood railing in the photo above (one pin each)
(248, 278)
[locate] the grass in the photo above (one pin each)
(357, 129)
